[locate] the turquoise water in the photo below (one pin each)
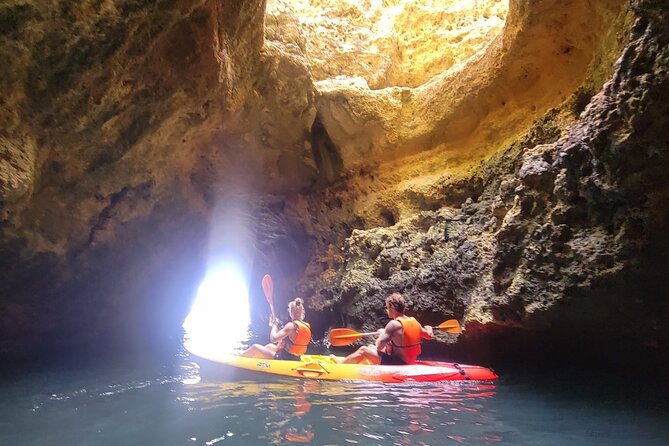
(170, 401)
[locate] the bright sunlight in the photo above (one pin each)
(219, 318)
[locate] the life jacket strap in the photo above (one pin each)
(403, 346)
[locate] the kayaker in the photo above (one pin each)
(398, 343)
(289, 342)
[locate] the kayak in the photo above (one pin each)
(325, 368)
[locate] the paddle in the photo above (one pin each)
(268, 288)
(345, 336)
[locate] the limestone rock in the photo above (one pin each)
(500, 172)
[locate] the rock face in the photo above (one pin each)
(511, 177)
(392, 43)
(126, 125)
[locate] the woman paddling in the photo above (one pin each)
(287, 343)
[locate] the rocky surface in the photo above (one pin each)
(126, 126)
(392, 43)
(509, 177)
(552, 237)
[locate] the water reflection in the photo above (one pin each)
(175, 404)
(286, 411)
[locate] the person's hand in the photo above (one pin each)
(429, 330)
(380, 331)
(273, 321)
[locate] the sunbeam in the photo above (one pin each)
(219, 318)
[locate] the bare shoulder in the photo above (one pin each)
(393, 326)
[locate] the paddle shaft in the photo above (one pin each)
(268, 289)
(357, 335)
(344, 336)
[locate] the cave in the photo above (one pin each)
(501, 163)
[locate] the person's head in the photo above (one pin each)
(395, 302)
(296, 308)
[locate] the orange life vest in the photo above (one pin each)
(411, 337)
(298, 344)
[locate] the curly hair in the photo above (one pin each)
(396, 301)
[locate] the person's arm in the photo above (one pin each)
(426, 332)
(276, 335)
(385, 338)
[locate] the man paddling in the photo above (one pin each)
(398, 343)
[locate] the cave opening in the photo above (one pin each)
(396, 43)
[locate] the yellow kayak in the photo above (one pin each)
(325, 367)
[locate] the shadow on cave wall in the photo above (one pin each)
(617, 327)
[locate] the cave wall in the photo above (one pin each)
(551, 245)
(124, 126)
(520, 181)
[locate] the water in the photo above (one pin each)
(170, 401)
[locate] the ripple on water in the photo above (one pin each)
(319, 412)
(173, 405)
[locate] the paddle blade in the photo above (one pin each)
(343, 336)
(450, 326)
(268, 287)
